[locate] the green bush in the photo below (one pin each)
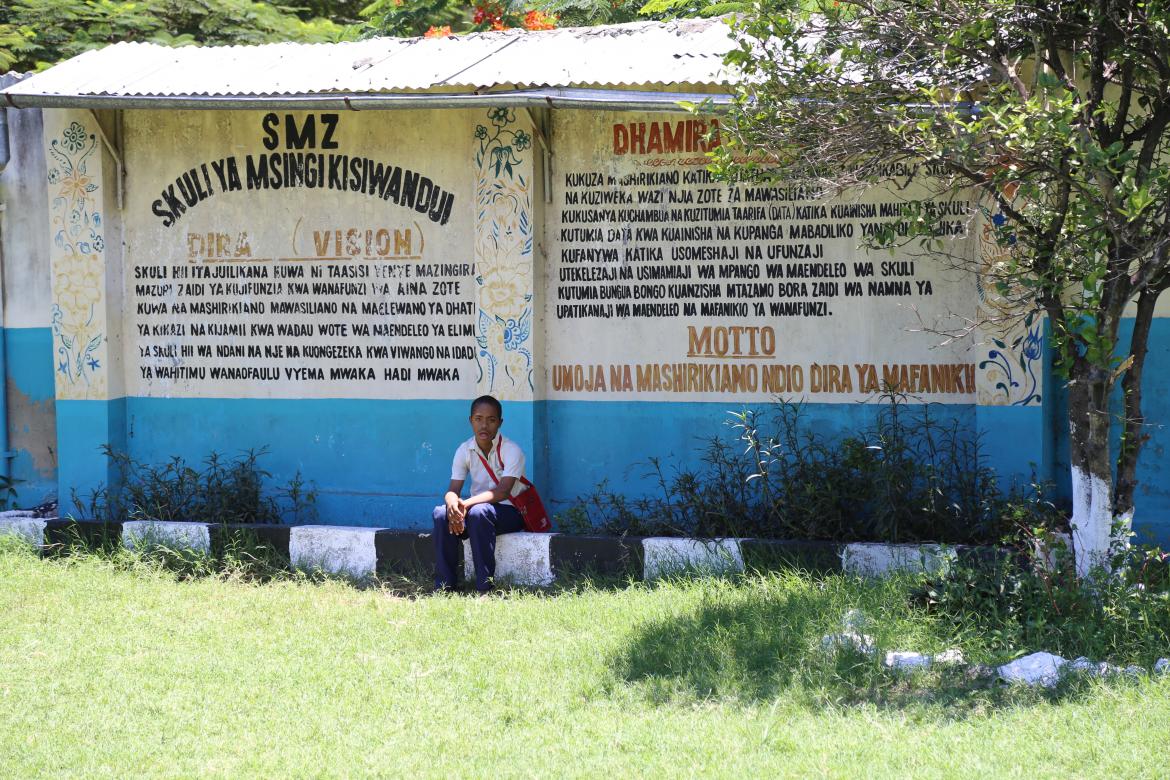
(223, 491)
(1020, 603)
(908, 478)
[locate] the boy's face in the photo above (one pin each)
(485, 424)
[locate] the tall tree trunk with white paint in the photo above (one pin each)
(1092, 473)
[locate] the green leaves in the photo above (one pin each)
(35, 34)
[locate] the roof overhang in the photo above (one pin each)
(560, 97)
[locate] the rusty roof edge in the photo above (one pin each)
(560, 97)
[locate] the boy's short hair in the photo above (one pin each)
(490, 401)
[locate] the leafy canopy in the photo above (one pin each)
(37, 33)
(1053, 113)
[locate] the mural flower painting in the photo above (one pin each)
(77, 264)
(502, 116)
(73, 138)
(503, 258)
(1010, 369)
(77, 283)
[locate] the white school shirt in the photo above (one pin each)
(467, 460)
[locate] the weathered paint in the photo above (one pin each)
(633, 433)
(32, 421)
(1092, 520)
(373, 463)
(693, 290)
(28, 354)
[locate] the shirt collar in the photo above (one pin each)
(474, 446)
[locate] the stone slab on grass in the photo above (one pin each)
(871, 559)
(522, 558)
(1035, 669)
(270, 535)
(28, 528)
(145, 534)
(613, 555)
(667, 555)
(63, 534)
(408, 553)
(334, 549)
(766, 554)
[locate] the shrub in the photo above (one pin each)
(910, 477)
(1019, 603)
(223, 491)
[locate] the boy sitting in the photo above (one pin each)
(495, 465)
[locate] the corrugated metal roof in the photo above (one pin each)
(681, 52)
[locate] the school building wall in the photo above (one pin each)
(335, 288)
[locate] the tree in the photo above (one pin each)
(1054, 113)
(37, 33)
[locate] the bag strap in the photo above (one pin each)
(500, 456)
(489, 469)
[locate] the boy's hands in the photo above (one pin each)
(456, 513)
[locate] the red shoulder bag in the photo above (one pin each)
(528, 502)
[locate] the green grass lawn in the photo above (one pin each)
(116, 669)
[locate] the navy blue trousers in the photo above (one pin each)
(484, 522)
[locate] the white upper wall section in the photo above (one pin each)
(24, 223)
(680, 52)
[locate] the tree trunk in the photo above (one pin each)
(1133, 434)
(1092, 473)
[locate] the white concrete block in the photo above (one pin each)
(954, 656)
(905, 660)
(144, 534)
(666, 555)
(1035, 669)
(876, 560)
(29, 528)
(335, 549)
(522, 558)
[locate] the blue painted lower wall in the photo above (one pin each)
(588, 438)
(373, 463)
(1152, 510)
(31, 407)
(386, 463)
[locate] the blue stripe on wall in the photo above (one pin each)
(596, 441)
(385, 463)
(1152, 511)
(31, 410)
(374, 463)
(83, 429)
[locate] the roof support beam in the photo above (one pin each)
(597, 99)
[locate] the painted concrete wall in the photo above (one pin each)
(25, 329)
(672, 299)
(335, 287)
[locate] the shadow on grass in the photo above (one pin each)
(753, 644)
